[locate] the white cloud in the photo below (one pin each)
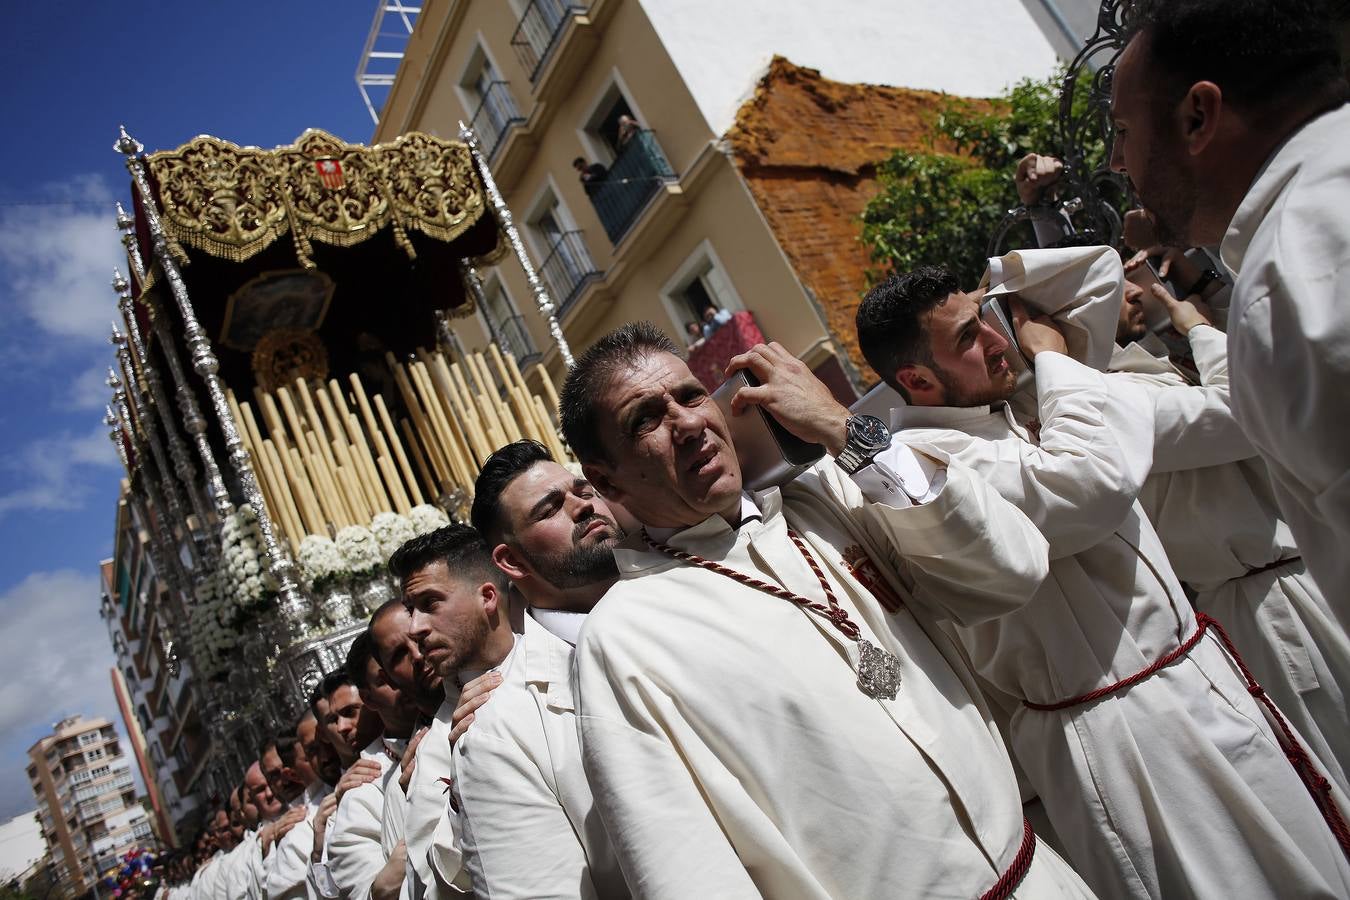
(89, 390)
(48, 471)
(59, 259)
(54, 661)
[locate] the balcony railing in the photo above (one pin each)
(709, 359)
(567, 269)
(634, 179)
(515, 339)
(539, 29)
(496, 115)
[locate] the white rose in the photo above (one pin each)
(426, 518)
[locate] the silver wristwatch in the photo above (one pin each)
(867, 436)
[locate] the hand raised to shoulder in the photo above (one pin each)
(474, 695)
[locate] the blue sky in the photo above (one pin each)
(247, 71)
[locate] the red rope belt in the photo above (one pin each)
(1017, 869)
(1317, 784)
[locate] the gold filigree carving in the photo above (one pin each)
(232, 202)
(285, 354)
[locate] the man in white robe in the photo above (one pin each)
(286, 867)
(206, 883)
(460, 620)
(737, 745)
(355, 855)
(1222, 531)
(1148, 786)
(525, 820)
(401, 659)
(1248, 148)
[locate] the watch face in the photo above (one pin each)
(871, 433)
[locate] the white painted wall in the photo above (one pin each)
(971, 47)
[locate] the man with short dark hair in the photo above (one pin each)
(287, 866)
(401, 661)
(1230, 122)
(525, 811)
(208, 883)
(592, 176)
(1140, 738)
(460, 618)
(766, 682)
(355, 853)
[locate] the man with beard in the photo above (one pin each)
(460, 619)
(1151, 758)
(401, 661)
(525, 814)
(766, 706)
(1230, 119)
(355, 854)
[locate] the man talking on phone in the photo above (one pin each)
(759, 681)
(1149, 755)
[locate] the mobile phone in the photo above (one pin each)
(996, 314)
(1156, 317)
(769, 454)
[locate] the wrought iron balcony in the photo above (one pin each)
(567, 269)
(635, 178)
(515, 339)
(538, 31)
(495, 117)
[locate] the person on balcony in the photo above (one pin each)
(714, 318)
(694, 332)
(628, 129)
(592, 176)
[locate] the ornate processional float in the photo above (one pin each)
(288, 401)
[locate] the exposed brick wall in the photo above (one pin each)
(808, 149)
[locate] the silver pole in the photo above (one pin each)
(541, 297)
(182, 463)
(204, 361)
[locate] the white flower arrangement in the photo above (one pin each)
(427, 518)
(391, 532)
(247, 581)
(360, 550)
(320, 562)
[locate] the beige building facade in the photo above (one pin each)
(647, 89)
(86, 799)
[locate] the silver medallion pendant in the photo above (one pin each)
(878, 671)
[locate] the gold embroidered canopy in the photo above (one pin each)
(358, 246)
(233, 202)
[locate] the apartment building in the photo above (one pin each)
(153, 685)
(648, 90)
(86, 800)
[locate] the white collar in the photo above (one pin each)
(562, 623)
(749, 512)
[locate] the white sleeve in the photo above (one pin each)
(355, 856)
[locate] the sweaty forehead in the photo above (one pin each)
(530, 486)
(647, 376)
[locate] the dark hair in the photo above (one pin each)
(460, 547)
(499, 470)
(267, 743)
(579, 161)
(358, 655)
(591, 375)
(331, 682)
(1259, 52)
(891, 331)
(285, 742)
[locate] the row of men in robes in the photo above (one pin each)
(871, 681)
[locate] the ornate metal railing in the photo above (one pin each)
(515, 339)
(538, 31)
(1087, 204)
(568, 268)
(635, 178)
(496, 116)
